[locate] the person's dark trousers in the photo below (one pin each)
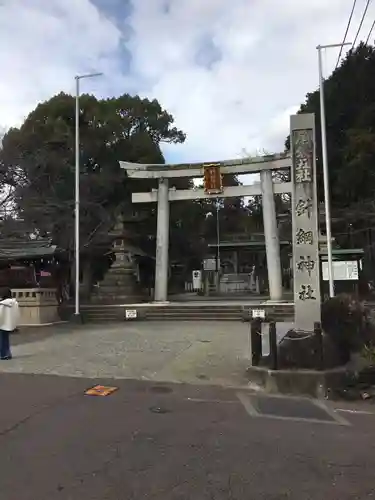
(5, 345)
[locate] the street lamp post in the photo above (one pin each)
(217, 235)
(327, 208)
(218, 246)
(77, 200)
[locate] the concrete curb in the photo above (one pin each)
(313, 383)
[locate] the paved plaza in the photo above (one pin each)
(189, 352)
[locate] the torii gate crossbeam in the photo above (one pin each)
(163, 195)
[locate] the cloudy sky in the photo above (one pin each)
(231, 72)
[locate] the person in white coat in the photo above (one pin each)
(9, 319)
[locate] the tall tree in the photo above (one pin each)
(350, 122)
(38, 158)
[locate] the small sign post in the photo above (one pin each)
(258, 313)
(130, 314)
(210, 264)
(197, 279)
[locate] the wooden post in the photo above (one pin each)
(256, 341)
(319, 345)
(273, 346)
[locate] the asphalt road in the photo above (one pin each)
(156, 441)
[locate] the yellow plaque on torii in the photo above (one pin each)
(213, 181)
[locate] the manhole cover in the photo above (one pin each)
(160, 389)
(290, 408)
(159, 409)
(140, 388)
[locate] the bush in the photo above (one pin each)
(299, 351)
(346, 321)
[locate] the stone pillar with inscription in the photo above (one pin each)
(307, 302)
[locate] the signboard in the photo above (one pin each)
(344, 270)
(210, 264)
(213, 183)
(130, 313)
(305, 222)
(258, 313)
(197, 279)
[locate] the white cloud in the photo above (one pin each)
(268, 63)
(43, 44)
(230, 72)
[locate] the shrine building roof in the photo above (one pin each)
(14, 249)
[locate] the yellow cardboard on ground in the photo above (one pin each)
(100, 390)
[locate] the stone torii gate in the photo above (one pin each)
(304, 212)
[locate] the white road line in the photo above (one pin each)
(245, 400)
(198, 400)
(330, 411)
(252, 412)
(358, 412)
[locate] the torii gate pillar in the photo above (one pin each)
(271, 236)
(162, 243)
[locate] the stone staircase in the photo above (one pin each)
(195, 313)
(181, 312)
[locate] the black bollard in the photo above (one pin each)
(273, 346)
(256, 341)
(319, 345)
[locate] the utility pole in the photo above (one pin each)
(218, 245)
(77, 194)
(327, 206)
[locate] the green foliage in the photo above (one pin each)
(187, 232)
(350, 121)
(298, 351)
(346, 321)
(350, 118)
(368, 353)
